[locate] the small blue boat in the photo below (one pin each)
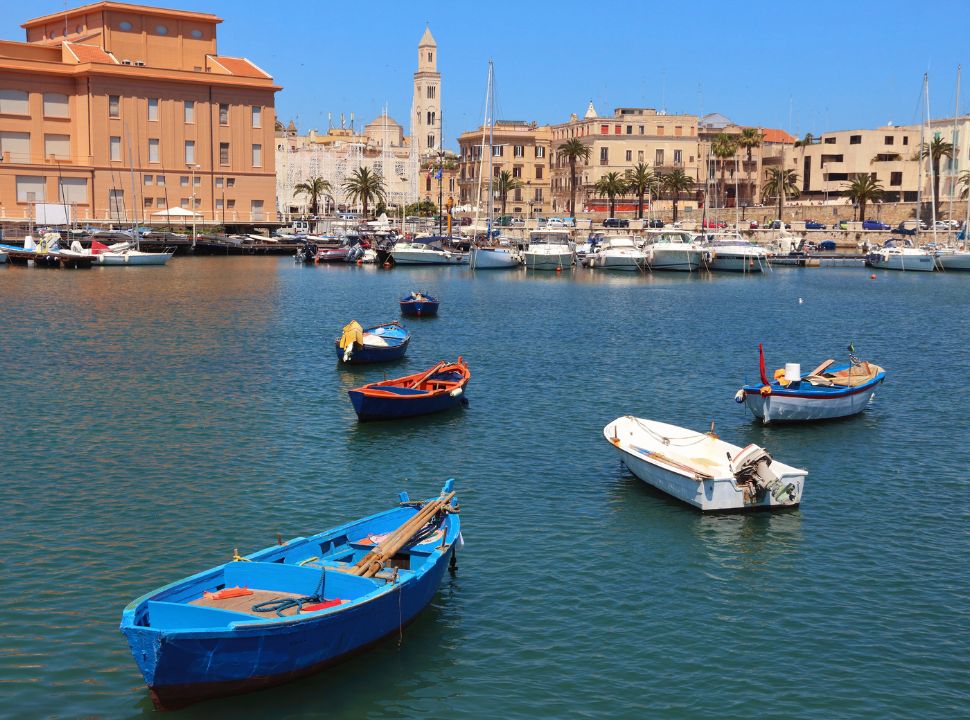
(419, 304)
(440, 388)
(374, 344)
(291, 609)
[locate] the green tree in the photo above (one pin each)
(936, 150)
(425, 208)
(863, 189)
(504, 184)
(314, 188)
(780, 184)
(805, 141)
(363, 186)
(965, 182)
(572, 151)
(722, 147)
(641, 180)
(749, 139)
(675, 183)
(611, 185)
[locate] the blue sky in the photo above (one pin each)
(807, 67)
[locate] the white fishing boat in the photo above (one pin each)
(901, 254)
(426, 251)
(548, 250)
(673, 250)
(702, 470)
(618, 252)
(730, 252)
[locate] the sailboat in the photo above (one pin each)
(957, 257)
(491, 257)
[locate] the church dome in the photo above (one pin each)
(376, 128)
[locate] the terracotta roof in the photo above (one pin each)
(129, 7)
(773, 135)
(239, 66)
(90, 54)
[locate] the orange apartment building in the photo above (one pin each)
(121, 111)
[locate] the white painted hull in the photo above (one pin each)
(909, 262)
(494, 259)
(133, 257)
(539, 260)
(779, 408)
(728, 262)
(428, 257)
(717, 491)
(674, 259)
(623, 260)
(955, 260)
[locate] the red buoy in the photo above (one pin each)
(872, 277)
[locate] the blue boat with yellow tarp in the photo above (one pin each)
(291, 609)
(379, 343)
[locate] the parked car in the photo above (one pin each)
(814, 225)
(753, 225)
(841, 225)
(776, 225)
(874, 225)
(717, 224)
(946, 224)
(616, 223)
(653, 223)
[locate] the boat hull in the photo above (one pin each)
(408, 257)
(737, 263)
(493, 259)
(959, 260)
(547, 261)
(679, 261)
(368, 354)
(608, 261)
(908, 263)
(133, 259)
(423, 308)
(783, 406)
(369, 407)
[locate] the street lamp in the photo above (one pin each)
(193, 167)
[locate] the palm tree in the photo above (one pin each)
(573, 151)
(805, 141)
(641, 180)
(505, 183)
(965, 181)
(364, 186)
(722, 147)
(781, 184)
(863, 189)
(936, 151)
(750, 139)
(314, 188)
(611, 185)
(676, 182)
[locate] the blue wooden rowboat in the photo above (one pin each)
(419, 304)
(374, 344)
(289, 610)
(440, 388)
(832, 390)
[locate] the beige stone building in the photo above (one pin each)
(120, 111)
(617, 144)
(520, 148)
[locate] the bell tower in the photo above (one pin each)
(426, 103)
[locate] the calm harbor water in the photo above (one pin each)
(156, 418)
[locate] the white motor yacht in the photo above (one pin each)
(548, 250)
(673, 250)
(901, 254)
(619, 252)
(426, 251)
(494, 258)
(730, 252)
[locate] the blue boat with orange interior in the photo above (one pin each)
(419, 304)
(291, 609)
(440, 388)
(379, 343)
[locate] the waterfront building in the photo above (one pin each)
(522, 149)
(119, 111)
(665, 142)
(954, 131)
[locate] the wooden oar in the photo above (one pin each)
(428, 374)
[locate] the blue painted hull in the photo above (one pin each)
(373, 354)
(413, 308)
(385, 408)
(182, 665)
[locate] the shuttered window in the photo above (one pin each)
(17, 144)
(13, 102)
(57, 145)
(55, 105)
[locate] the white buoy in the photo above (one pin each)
(793, 372)
(800, 301)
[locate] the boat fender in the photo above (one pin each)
(76, 247)
(739, 397)
(765, 390)
(456, 392)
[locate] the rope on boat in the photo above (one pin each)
(281, 604)
(667, 440)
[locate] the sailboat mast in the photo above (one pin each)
(933, 178)
(491, 139)
(919, 168)
(953, 142)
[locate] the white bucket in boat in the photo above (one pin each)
(793, 372)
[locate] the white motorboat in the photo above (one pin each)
(618, 252)
(426, 251)
(133, 257)
(673, 250)
(901, 254)
(953, 260)
(494, 258)
(732, 253)
(702, 470)
(548, 250)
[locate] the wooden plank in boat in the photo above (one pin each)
(245, 603)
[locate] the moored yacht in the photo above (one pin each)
(730, 252)
(548, 250)
(619, 252)
(426, 251)
(673, 250)
(901, 254)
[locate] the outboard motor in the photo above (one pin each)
(753, 465)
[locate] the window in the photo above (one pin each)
(197, 201)
(159, 179)
(659, 158)
(223, 114)
(223, 153)
(517, 195)
(617, 129)
(427, 184)
(430, 57)
(57, 145)
(831, 141)
(905, 140)
(498, 150)
(604, 129)
(219, 182)
(230, 182)
(152, 109)
(184, 203)
(431, 118)
(431, 92)
(540, 152)
(257, 156)
(538, 172)
(518, 151)
(73, 190)
(231, 204)
(896, 178)
(161, 30)
(149, 180)
(639, 155)
(15, 143)
(149, 202)
(55, 105)
(629, 156)
(430, 141)
(257, 116)
(162, 203)
(256, 209)
(604, 156)
(30, 188)
(190, 152)
(889, 140)
(153, 150)
(189, 111)
(517, 171)
(640, 129)
(855, 139)
(13, 102)
(114, 148)
(538, 195)
(114, 106)
(197, 34)
(124, 25)
(678, 130)
(660, 130)
(219, 204)
(678, 157)
(197, 180)
(184, 181)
